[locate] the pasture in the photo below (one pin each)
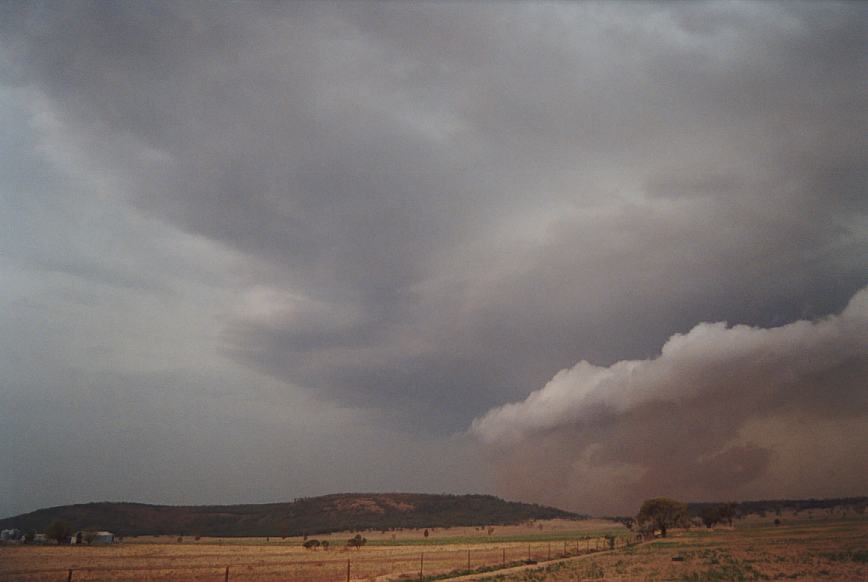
(390, 555)
(825, 547)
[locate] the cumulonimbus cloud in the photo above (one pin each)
(722, 412)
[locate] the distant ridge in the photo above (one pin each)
(312, 515)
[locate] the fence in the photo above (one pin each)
(332, 566)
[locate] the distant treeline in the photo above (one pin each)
(305, 516)
(737, 509)
(775, 506)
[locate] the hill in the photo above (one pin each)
(314, 515)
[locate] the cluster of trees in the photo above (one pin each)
(778, 506)
(661, 514)
(59, 530)
(314, 544)
(711, 515)
(356, 541)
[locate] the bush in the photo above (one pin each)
(59, 531)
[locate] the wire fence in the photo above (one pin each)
(370, 564)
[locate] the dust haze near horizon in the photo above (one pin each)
(256, 251)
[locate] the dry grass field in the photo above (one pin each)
(827, 547)
(163, 558)
(800, 549)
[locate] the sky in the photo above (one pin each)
(571, 253)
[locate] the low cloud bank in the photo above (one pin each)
(723, 412)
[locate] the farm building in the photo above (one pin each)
(92, 537)
(104, 537)
(13, 534)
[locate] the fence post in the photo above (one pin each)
(69, 576)
(421, 564)
(504, 555)
(226, 576)
(528, 552)
(550, 551)
(348, 570)
(468, 559)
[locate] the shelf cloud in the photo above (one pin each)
(692, 421)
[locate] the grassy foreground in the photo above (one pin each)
(799, 550)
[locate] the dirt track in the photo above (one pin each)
(517, 569)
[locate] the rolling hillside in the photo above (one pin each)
(315, 515)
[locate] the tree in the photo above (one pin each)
(59, 531)
(357, 542)
(662, 513)
(325, 545)
(89, 537)
(426, 534)
(727, 512)
(311, 544)
(710, 516)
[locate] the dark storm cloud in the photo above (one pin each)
(693, 421)
(453, 200)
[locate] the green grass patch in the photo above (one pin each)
(858, 556)
(560, 537)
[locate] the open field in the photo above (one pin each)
(830, 548)
(163, 558)
(754, 550)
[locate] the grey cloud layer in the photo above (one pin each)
(442, 204)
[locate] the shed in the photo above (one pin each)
(104, 537)
(13, 534)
